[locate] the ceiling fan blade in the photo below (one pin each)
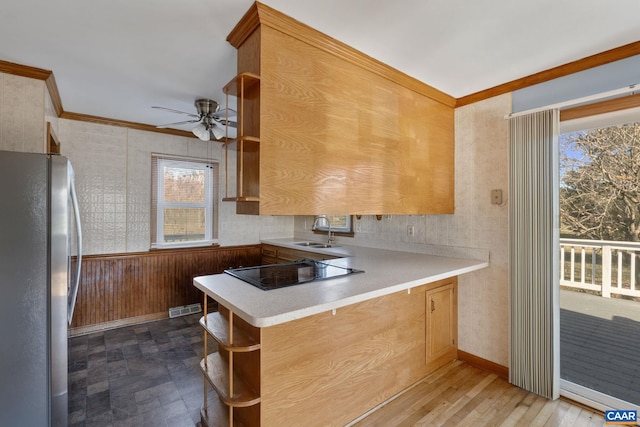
(224, 122)
(176, 111)
(229, 123)
(223, 113)
(177, 123)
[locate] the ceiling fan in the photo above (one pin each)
(210, 118)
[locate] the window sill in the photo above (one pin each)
(210, 243)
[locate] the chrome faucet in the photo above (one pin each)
(314, 227)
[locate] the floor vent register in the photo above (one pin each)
(184, 310)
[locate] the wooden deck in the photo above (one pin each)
(600, 344)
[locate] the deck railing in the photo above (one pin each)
(603, 266)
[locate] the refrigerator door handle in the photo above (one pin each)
(76, 212)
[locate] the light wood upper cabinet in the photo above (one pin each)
(339, 132)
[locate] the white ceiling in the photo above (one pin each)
(117, 58)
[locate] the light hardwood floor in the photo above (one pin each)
(461, 395)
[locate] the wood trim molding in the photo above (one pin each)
(260, 14)
(592, 61)
(100, 327)
(243, 29)
(171, 251)
(608, 106)
(123, 123)
(56, 100)
(53, 143)
(24, 70)
(50, 82)
(38, 74)
(484, 364)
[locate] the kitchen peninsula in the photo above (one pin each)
(325, 352)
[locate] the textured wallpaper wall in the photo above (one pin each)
(113, 173)
(22, 110)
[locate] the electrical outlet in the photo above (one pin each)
(496, 197)
(358, 227)
(411, 231)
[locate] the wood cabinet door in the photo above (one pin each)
(269, 254)
(441, 317)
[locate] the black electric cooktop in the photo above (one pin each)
(275, 276)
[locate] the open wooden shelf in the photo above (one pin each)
(243, 81)
(246, 87)
(216, 370)
(241, 139)
(218, 327)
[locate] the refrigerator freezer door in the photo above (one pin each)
(24, 296)
(33, 289)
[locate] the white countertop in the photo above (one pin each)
(385, 272)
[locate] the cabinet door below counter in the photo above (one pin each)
(442, 323)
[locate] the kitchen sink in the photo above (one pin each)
(316, 245)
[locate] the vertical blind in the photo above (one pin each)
(534, 253)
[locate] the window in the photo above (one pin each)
(340, 225)
(183, 202)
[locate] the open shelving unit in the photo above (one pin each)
(232, 371)
(246, 88)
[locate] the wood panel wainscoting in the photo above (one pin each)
(122, 289)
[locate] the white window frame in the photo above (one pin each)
(348, 229)
(161, 204)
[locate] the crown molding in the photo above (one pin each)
(56, 100)
(260, 14)
(247, 25)
(50, 82)
(24, 70)
(602, 58)
(123, 123)
(38, 74)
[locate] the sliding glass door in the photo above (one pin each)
(600, 260)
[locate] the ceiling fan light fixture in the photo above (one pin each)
(217, 131)
(202, 132)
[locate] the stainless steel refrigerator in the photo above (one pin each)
(39, 229)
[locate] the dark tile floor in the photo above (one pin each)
(142, 375)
